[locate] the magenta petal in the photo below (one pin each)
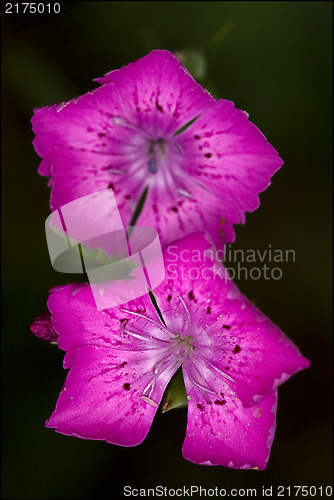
(193, 271)
(187, 210)
(159, 93)
(119, 363)
(220, 431)
(78, 322)
(257, 354)
(102, 396)
(129, 135)
(230, 335)
(232, 160)
(79, 125)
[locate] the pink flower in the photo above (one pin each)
(128, 134)
(121, 360)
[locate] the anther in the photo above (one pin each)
(152, 165)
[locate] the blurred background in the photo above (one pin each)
(274, 60)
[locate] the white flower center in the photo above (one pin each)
(183, 346)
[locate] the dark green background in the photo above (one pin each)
(276, 64)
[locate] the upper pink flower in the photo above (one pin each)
(128, 134)
(233, 358)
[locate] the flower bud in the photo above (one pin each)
(42, 327)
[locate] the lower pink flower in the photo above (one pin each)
(121, 360)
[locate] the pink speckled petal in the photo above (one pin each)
(67, 188)
(160, 94)
(231, 159)
(78, 322)
(253, 351)
(220, 431)
(232, 334)
(193, 271)
(102, 397)
(181, 215)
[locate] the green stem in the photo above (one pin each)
(139, 207)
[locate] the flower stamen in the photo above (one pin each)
(161, 326)
(203, 360)
(187, 312)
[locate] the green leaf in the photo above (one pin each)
(175, 395)
(184, 127)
